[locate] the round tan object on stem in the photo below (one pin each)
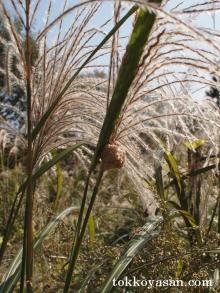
(113, 157)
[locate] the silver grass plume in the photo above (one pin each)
(160, 110)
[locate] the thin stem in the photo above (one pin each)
(78, 240)
(126, 75)
(11, 219)
(27, 259)
(219, 203)
(82, 207)
(24, 255)
(167, 258)
(213, 216)
(66, 87)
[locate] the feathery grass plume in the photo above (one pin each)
(11, 71)
(160, 107)
(11, 85)
(44, 79)
(171, 58)
(107, 148)
(109, 135)
(163, 75)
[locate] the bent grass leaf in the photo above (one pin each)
(106, 38)
(189, 217)
(91, 227)
(174, 204)
(171, 161)
(159, 182)
(19, 196)
(193, 224)
(129, 66)
(12, 276)
(185, 214)
(128, 69)
(47, 166)
(195, 144)
(148, 232)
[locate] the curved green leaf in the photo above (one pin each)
(19, 196)
(107, 37)
(47, 166)
(194, 144)
(174, 169)
(12, 276)
(148, 231)
(127, 72)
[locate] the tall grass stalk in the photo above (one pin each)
(129, 67)
(11, 277)
(27, 259)
(20, 194)
(11, 219)
(52, 106)
(66, 87)
(79, 237)
(28, 234)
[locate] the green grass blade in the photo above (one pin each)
(126, 75)
(79, 238)
(200, 171)
(193, 173)
(47, 166)
(108, 36)
(159, 182)
(194, 144)
(91, 228)
(11, 219)
(149, 231)
(59, 188)
(19, 196)
(174, 169)
(13, 274)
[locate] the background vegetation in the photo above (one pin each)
(109, 145)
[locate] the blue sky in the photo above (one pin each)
(106, 11)
(205, 20)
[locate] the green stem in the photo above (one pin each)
(54, 104)
(213, 216)
(126, 75)
(79, 238)
(219, 203)
(82, 208)
(11, 219)
(27, 261)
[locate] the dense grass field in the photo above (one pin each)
(109, 146)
